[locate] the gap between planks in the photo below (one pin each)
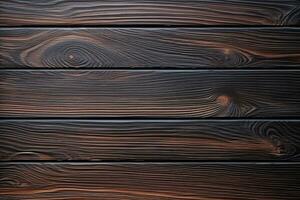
(146, 26)
(155, 162)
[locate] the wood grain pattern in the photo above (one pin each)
(151, 12)
(139, 181)
(137, 140)
(110, 107)
(148, 93)
(150, 48)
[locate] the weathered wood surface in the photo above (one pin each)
(153, 12)
(176, 181)
(138, 140)
(147, 93)
(107, 99)
(179, 48)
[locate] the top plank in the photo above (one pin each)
(151, 12)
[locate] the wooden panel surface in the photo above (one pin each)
(148, 100)
(150, 181)
(151, 12)
(145, 93)
(134, 140)
(150, 48)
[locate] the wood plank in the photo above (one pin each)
(150, 93)
(158, 12)
(179, 48)
(150, 181)
(150, 140)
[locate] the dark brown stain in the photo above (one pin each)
(150, 93)
(165, 48)
(148, 100)
(150, 181)
(151, 12)
(192, 140)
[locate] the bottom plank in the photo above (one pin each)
(149, 181)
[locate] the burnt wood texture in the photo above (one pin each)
(165, 48)
(148, 100)
(150, 140)
(150, 12)
(150, 181)
(150, 93)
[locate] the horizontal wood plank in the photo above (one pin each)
(151, 12)
(179, 48)
(150, 181)
(137, 140)
(148, 93)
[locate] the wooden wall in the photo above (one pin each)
(150, 100)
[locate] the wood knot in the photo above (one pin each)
(224, 100)
(227, 51)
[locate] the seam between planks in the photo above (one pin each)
(156, 162)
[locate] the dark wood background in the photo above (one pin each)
(148, 100)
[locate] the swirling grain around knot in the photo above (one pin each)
(76, 54)
(70, 50)
(164, 48)
(284, 138)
